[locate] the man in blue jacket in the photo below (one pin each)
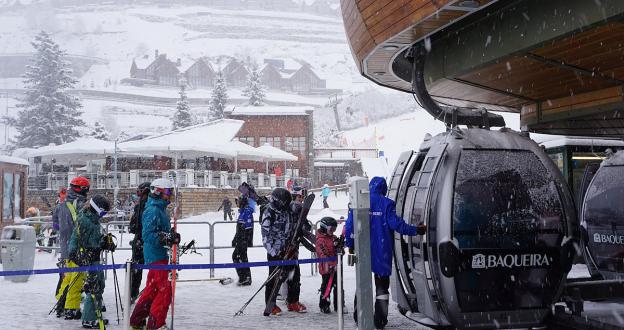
(153, 304)
(383, 223)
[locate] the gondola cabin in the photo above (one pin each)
(602, 219)
(500, 230)
(13, 171)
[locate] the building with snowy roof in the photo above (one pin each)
(288, 128)
(292, 75)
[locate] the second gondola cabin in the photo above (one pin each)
(602, 219)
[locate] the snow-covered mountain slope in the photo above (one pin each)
(120, 33)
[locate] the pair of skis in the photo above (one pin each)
(278, 273)
(174, 254)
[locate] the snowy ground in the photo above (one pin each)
(209, 305)
(199, 305)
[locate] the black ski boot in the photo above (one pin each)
(60, 312)
(73, 314)
(93, 324)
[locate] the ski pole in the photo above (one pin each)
(242, 309)
(116, 288)
(64, 295)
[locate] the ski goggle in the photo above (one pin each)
(165, 191)
(97, 209)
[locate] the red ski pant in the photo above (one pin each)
(153, 304)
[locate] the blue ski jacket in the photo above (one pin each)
(155, 221)
(383, 223)
(245, 217)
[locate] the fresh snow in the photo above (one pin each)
(199, 305)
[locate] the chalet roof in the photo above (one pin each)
(269, 110)
(143, 62)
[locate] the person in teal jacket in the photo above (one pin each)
(85, 245)
(153, 304)
(325, 193)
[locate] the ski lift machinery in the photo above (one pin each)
(501, 224)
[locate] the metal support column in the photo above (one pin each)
(359, 197)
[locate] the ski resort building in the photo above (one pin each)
(276, 74)
(284, 127)
(13, 171)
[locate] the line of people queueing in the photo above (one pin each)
(81, 241)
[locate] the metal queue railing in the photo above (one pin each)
(121, 228)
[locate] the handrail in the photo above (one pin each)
(211, 247)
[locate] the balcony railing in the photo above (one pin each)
(186, 178)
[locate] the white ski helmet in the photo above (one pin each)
(159, 186)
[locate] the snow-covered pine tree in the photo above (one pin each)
(219, 97)
(182, 117)
(255, 90)
(49, 113)
(99, 132)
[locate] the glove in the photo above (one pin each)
(169, 239)
(351, 250)
(137, 243)
(421, 229)
(107, 243)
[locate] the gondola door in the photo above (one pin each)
(419, 192)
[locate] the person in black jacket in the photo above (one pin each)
(226, 205)
(137, 243)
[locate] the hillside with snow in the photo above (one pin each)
(120, 33)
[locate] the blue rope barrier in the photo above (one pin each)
(165, 267)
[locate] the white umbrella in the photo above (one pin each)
(207, 139)
(275, 154)
(245, 152)
(82, 149)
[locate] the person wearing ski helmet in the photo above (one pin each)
(383, 223)
(278, 226)
(136, 228)
(64, 219)
(85, 245)
(244, 228)
(152, 306)
(327, 246)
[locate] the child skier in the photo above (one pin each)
(326, 247)
(85, 245)
(244, 228)
(153, 304)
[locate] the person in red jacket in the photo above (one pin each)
(327, 246)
